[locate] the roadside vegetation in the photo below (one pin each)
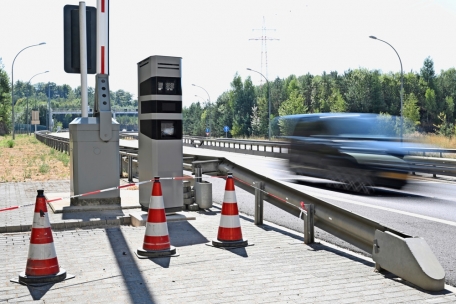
(27, 159)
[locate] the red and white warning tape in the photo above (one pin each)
(303, 209)
(102, 190)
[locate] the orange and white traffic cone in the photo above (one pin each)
(229, 233)
(42, 264)
(156, 239)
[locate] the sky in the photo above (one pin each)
(214, 39)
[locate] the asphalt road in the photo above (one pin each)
(425, 207)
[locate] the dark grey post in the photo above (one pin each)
(309, 237)
(120, 165)
(198, 174)
(259, 187)
(130, 168)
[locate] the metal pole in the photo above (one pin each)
(130, 168)
(26, 112)
(269, 103)
(48, 121)
(83, 52)
(198, 174)
(402, 79)
(12, 84)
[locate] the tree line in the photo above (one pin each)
(63, 96)
(428, 100)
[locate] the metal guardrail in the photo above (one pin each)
(263, 148)
(281, 146)
(417, 156)
(408, 257)
(58, 143)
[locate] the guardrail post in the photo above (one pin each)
(130, 168)
(259, 187)
(309, 236)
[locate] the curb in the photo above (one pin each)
(125, 220)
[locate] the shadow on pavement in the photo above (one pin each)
(184, 234)
(133, 277)
(38, 291)
(87, 215)
(162, 261)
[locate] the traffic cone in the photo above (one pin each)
(42, 264)
(229, 233)
(156, 239)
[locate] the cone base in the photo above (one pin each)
(240, 243)
(60, 276)
(141, 253)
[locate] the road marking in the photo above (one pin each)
(429, 218)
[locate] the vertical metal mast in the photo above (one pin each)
(264, 50)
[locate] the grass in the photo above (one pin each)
(439, 141)
(26, 158)
(44, 168)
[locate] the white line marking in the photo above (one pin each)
(424, 217)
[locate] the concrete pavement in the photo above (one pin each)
(98, 247)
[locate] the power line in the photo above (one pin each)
(264, 50)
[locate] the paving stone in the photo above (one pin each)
(108, 271)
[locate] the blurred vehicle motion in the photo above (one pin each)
(358, 151)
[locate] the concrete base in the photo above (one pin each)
(58, 277)
(82, 201)
(228, 244)
(145, 254)
(139, 219)
(129, 199)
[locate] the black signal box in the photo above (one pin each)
(71, 44)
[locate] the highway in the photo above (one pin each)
(425, 207)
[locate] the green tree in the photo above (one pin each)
(293, 105)
(430, 104)
(242, 97)
(427, 72)
(255, 121)
(411, 109)
(5, 101)
(449, 108)
(336, 102)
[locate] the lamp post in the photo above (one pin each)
(12, 82)
(207, 125)
(269, 103)
(200, 97)
(210, 112)
(402, 78)
(26, 112)
(48, 115)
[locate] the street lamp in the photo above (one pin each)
(269, 102)
(402, 78)
(210, 112)
(201, 98)
(26, 112)
(12, 82)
